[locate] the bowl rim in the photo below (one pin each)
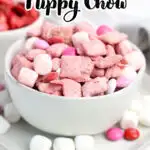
(8, 73)
(8, 32)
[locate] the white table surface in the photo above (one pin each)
(21, 133)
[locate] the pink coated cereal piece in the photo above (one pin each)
(27, 77)
(135, 59)
(95, 58)
(71, 88)
(70, 51)
(110, 50)
(108, 61)
(41, 44)
(95, 87)
(94, 48)
(86, 27)
(56, 50)
(70, 67)
(55, 64)
(98, 72)
(50, 88)
(114, 134)
(30, 55)
(113, 37)
(2, 87)
(124, 48)
(113, 72)
(123, 82)
(103, 29)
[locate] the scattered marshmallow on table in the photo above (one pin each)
(27, 77)
(84, 142)
(11, 113)
(39, 142)
(129, 120)
(42, 64)
(62, 143)
(4, 125)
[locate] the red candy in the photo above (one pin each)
(131, 134)
(14, 16)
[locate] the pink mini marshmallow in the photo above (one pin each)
(30, 55)
(41, 44)
(27, 77)
(124, 48)
(42, 64)
(103, 29)
(70, 51)
(135, 59)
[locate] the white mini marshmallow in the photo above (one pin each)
(145, 118)
(29, 43)
(27, 77)
(39, 142)
(111, 86)
(63, 144)
(43, 64)
(4, 125)
(11, 113)
(129, 120)
(80, 36)
(136, 106)
(84, 142)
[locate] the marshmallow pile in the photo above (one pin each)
(76, 61)
(138, 113)
(8, 112)
(82, 142)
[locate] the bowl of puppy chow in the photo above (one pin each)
(73, 79)
(15, 22)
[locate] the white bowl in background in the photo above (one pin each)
(68, 116)
(7, 38)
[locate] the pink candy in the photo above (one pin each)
(114, 134)
(41, 44)
(70, 51)
(103, 29)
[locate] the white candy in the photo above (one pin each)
(111, 86)
(84, 142)
(11, 113)
(4, 125)
(29, 43)
(129, 120)
(39, 142)
(43, 64)
(136, 106)
(27, 77)
(63, 144)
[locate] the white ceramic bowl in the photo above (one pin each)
(7, 38)
(68, 116)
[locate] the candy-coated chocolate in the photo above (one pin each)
(114, 134)
(70, 51)
(131, 134)
(103, 29)
(41, 44)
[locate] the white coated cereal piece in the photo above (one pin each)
(39, 142)
(27, 77)
(136, 106)
(29, 43)
(145, 118)
(4, 125)
(129, 120)
(11, 113)
(63, 144)
(111, 86)
(84, 142)
(42, 64)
